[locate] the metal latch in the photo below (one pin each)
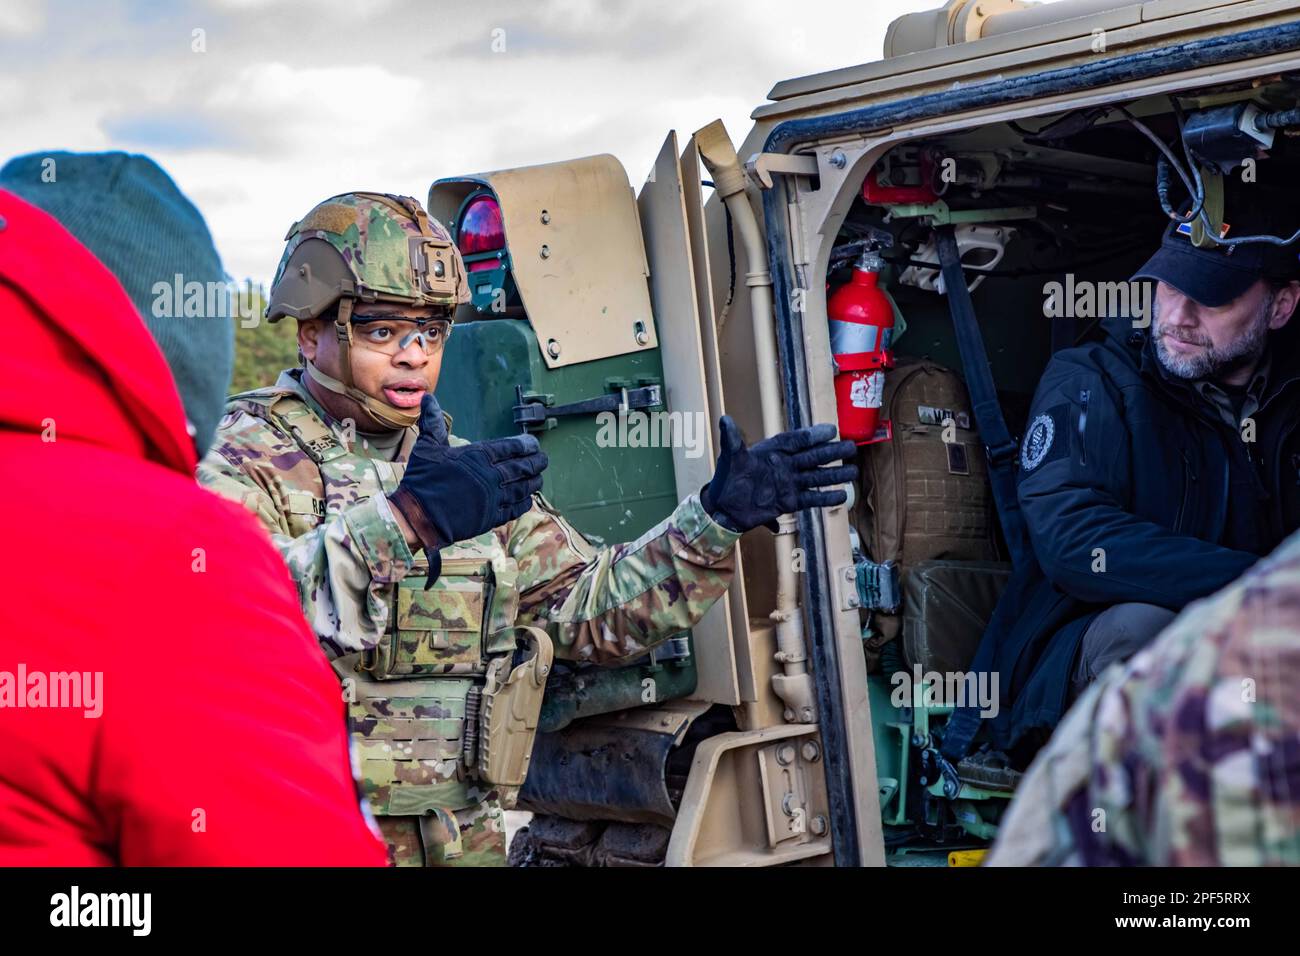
(533, 412)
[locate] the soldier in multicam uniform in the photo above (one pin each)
(1187, 756)
(442, 700)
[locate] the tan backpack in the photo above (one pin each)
(924, 498)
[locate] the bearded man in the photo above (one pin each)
(1158, 464)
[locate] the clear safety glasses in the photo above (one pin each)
(392, 335)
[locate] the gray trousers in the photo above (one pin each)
(1116, 634)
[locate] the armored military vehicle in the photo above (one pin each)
(888, 243)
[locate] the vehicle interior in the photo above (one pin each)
(1045, 212)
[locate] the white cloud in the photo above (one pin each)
(21, 18)
(288, 106)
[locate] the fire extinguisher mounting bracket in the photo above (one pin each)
(884, 432)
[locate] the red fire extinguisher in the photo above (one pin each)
(862, 324)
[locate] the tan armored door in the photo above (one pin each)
(672, 220)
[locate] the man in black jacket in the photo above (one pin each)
(1157, 466)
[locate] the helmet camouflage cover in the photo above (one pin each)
(372, 247)
(375, 247)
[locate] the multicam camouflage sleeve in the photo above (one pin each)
(598, 604)
(346, 567)
(605, 604)
(1187, 756)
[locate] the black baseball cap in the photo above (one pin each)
(1216, 276)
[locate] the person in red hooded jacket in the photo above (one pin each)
(162, 701)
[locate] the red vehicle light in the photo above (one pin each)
(481, 228)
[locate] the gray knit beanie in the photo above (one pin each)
(130, 214)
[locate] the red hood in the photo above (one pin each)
(79, 361)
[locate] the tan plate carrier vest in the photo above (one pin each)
(438, 715)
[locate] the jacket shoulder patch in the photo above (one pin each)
(1046, 439)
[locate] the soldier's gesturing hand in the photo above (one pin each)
(450, 493)
(779, 475)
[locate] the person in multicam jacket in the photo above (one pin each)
(1187, 756)
(331, 460)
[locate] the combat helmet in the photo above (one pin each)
(375, 247)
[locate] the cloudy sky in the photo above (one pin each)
(281, 103)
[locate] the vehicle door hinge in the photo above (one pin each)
(781, 767)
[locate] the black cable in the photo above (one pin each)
(1198, 198)
(1243, 240)
(1180, 120)
(731, 251)
(1198, 192)
(1278, 120)
(731, 261)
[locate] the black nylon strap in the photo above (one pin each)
(998, 443)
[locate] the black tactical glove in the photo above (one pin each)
(450, 493)
(752, 486)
